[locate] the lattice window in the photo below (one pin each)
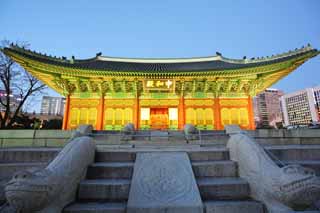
(200, 117)
(116, 118)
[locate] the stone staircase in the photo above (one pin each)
(107, 185)
(221, 189)
(305, 155)
(106, 188)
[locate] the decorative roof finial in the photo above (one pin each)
(72, 59)
(99, 54)
(218, 53)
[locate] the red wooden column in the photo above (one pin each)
(217, 114)
(100, 115)
(136, 115)
(250, 113)
(66, 113)
(181, 113)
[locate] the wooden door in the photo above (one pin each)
(159, 118)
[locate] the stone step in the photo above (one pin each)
(313, 164)
(96, 208)
(104, 189)
(215, 168)
(233, 207)
(115, 156)
(11, 155)
(105, 170)
(295, 152)
(288, 141)
(209, 155)
(223, 188)
(129, 155)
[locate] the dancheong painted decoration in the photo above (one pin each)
(209, 92)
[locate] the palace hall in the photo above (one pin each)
(208, 92)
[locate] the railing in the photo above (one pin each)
(33, 142)
(149, 135)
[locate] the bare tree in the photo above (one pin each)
(15, 80)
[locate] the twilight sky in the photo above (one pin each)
(168, 28)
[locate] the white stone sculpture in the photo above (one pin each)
(51, 189)
(280, 189)
(128, 131)
(190, 132)
(82, 130)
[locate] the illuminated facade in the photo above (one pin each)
(267, 109)
(208, 92)
(301, 107)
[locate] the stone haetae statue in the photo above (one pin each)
(51, 189)
(190, 132)
(82, 130)
(280, 189)
(128, 131)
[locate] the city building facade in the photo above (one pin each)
(301, 107)
(52, 105)
(316, 91)
(209, 92)
(267, 108)
(14, 101)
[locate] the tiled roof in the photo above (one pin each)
(214, 63)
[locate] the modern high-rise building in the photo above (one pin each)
(14, 101)
(267, 108)
(316, 91)
(301, 107)
(52, 105)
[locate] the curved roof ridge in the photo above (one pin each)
(207, 58)
(273, 57)
(217, 57)
(160, 60)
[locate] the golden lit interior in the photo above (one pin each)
(144, 117)
(80, 116)
(202, 118)
(116, 118)
(237, 116)
(173, 118)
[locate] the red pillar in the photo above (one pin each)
(66, 113)
(250, 113)
(217, 115)
(181, 112)
(136, 115)
(100, 115)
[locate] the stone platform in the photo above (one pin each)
(110, 179)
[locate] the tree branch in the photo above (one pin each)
(14, 79)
